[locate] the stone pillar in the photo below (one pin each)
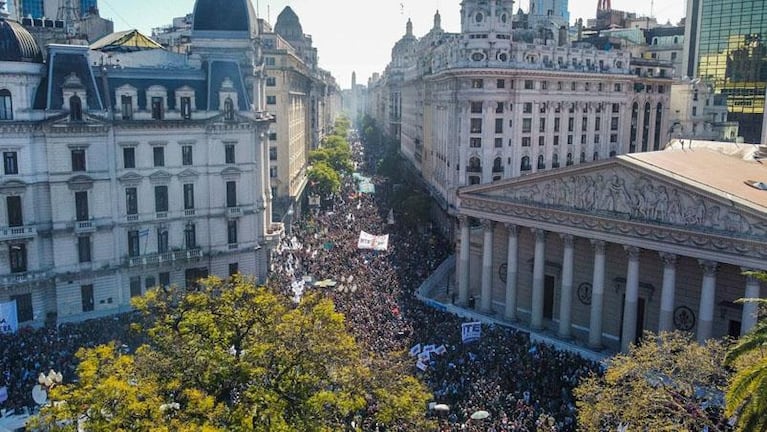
(511, 274)
(597, 295)
(486, 301)
(536, 317)
(628, 332)
(707, 297)
(566, 299)
(750, 309)
(463, 262)
(666, 318)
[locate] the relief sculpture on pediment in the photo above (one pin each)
(636, 197)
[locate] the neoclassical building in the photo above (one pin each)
(126, 166)
(601, 251)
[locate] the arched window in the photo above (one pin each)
(596, 156)
(541, 162)
(634, 125)
(583, 157)
(658, 118)
(555, 160)
(646, 127)
(612, 153)
(475, 165)
(525, 165)
(474, 180)
(75, 108)
(569, 159)
(6, 105)
(228, 109)
(497, 165)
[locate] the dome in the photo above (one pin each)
(224, 15)
(17, 44)
(288, 25)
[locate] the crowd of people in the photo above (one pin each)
(523, 386)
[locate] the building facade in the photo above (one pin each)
(725, 45)
(126, 169)
(600, 252)
(697, 112)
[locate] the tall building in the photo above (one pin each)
(726, 44)
(126, 166)
(56, 9)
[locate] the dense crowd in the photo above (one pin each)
(523, 386)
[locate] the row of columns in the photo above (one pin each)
(628, 330)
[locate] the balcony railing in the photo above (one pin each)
(165, 257)
(189, 212)
(234, 211)
(131, 217)
(85, 226)
(17, 233)
(26, 277)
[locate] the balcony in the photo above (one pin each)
(131, 218)
(274, 232)
(234, 211)
(189, 212)
(165, 257)
(26, 277)
(17, 233)
(162, 215)
(85, 226)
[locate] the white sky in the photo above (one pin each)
(357, 35)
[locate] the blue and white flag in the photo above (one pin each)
(3, 394)
(440, 350)
(421, 365)
(415, 350)
(471, 332)
(9, 322)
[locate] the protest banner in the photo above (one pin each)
(471, 331)
(9, 322)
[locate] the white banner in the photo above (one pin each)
(374, 242)
(9, 322)
(471, 331)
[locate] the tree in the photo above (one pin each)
(324, 178)
(668, 382)
(747, 392)
(228, 356)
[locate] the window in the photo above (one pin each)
(161, 199)
(596, 139)
(499, 108)
(614, 123)
(157, 108)
(231, 231)
(570, 124)
(617, 88)
(542, 124)
(229, 153)
(555, 161)
(527, 107)
(133, 243)
(526, 141)
(164, 278)
(17, 256)
(228, 109)
(23, 307)
(186, 155)
(271, 81)
(497, 165)
(694, 111)
(188, 196)
(475, 165)
(272, 136)
(597, 123)
(595, 156)
(272, 153)
(583, 157)
(476, 125)
(541, 162)
(131, 201)
(6, 105)
(498, 143)
(129, 157)
(525, 164)
(474, 180)
(135, 286)
(158, 154)
(233, 269)
(544, 85)
(126, 107)
(583, 139)
(271, 100)
(527, 125)
(500, 83)
(499, 125)
(190, 236)
(613, 138)
(231, 194)
(81, 206)
(476, 107)
(477, 83)
(270, 61)
(556, 140)
(529, 85)
(556, 124)
(149, 282)
(616, 108)
(186, 107)
(15, 218)
(162, 240)
(585, 124)
(84, 249)
(75, 108)
(569, 139)
(475, 142)
(10, 163)
(273, 172)
(569, 159)
(78, 160)
(541, 141)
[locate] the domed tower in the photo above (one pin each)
(486, 26)
(288, 26)
(21, 69)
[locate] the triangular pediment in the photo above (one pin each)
(160, 176)
(131, 178)
(623, 190)
(230, 172)
(188, 174)
(80, 183)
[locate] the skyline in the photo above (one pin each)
(359, 45)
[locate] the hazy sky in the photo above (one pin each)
(357, 35)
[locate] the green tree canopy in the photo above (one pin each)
(657, 386)
(324, 178)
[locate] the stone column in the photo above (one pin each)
(536, 317)
(486, 300)
(511, 274)
(707, 297)
(750, 309)
(632, 298)
(566, 299)
(597, 295)
(463, 262)
(666, 318)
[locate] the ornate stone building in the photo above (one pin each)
(601, 251)
(126, 168)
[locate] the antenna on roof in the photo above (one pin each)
(258, 11)
(269, 13)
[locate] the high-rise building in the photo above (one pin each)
(55, 9)
(725, 45)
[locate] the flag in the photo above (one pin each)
(415, 350)
(424, 357)
(3, 394)
(390, 219)
(441, 350)
(374, 242)
(421, 365)
(471, 331)
(429, 348)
